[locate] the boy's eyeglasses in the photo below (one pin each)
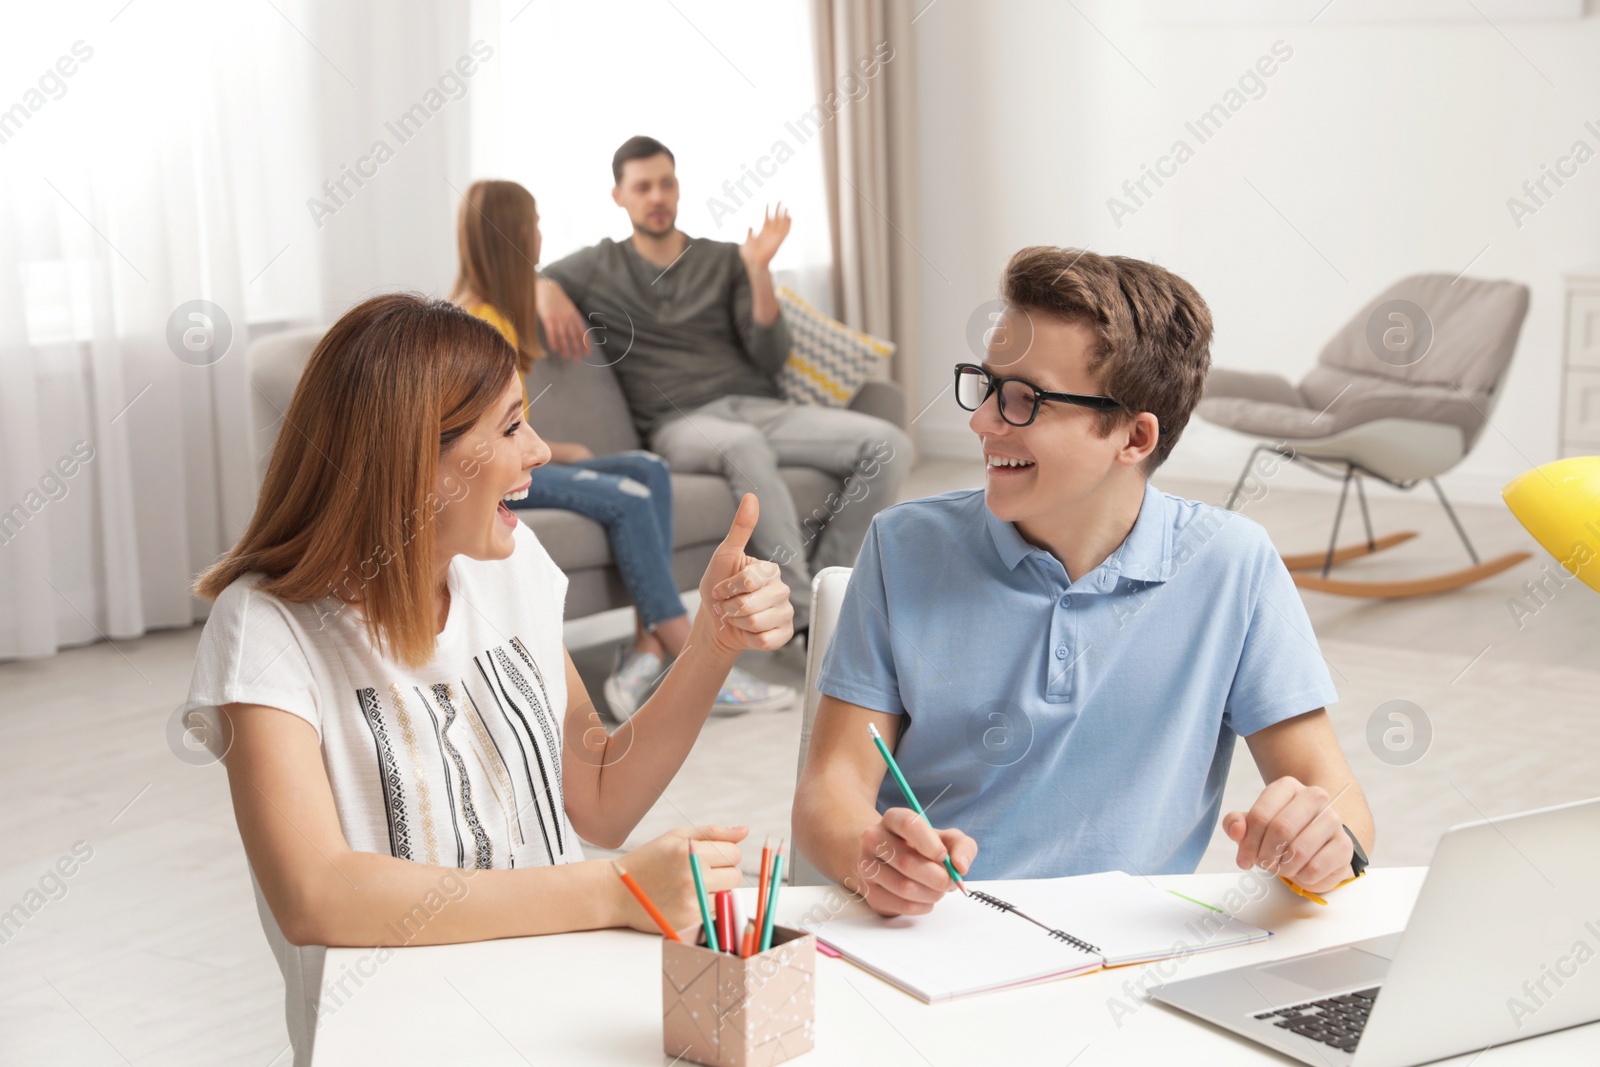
(1018, 399)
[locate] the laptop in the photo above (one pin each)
(1502, 944)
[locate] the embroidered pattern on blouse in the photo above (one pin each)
(449, 794)
(498, 690)
(408, 734)
(495, 771)
(484, 851)
(499, 800)
(540, 708)
(556, 720)
(538, 676)
(394, 797)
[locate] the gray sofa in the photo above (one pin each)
(580, 402)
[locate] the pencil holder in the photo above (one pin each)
(723, 1011)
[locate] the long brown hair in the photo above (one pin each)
(494, 239)
(347, 506)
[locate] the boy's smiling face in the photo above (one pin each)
(1067, 461)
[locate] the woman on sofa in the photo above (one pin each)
(411, 753)
(629, 493)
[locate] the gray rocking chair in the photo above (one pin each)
(1401, 393)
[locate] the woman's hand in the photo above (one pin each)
(661, 867)
(563, 324)
(743, 596)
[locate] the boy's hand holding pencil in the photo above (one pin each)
(905, 865)
(901, 867)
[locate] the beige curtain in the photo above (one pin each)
(865, 58)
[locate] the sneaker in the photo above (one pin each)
(631, 681)
(744, 692)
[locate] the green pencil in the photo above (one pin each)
(1191, 900)
(772, 900)
(911, 798)
(705, 905)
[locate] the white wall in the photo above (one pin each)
(1392, 148)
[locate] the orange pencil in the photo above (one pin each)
(747, 947)
(645, 902)
(766, 876)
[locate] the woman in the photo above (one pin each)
(630, 494)
(384, 669)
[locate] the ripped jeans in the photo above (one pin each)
(630, 494)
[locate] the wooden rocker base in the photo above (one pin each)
(1439, 583)
(1298, 564)
(1307, 560)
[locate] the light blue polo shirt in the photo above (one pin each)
(1072, 727)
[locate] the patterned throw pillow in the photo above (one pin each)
(828, 360)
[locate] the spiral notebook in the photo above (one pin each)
(1012, 933)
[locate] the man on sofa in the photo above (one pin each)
(693, 329)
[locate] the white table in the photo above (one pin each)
(595, 998)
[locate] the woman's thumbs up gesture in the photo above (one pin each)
(742, 597)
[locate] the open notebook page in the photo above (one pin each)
(959, 948)
(1127, 918)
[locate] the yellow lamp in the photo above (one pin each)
(1559, 503)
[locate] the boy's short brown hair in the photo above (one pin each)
(1152, 330)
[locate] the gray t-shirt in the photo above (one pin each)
(677, 337)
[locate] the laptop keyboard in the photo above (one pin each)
(1336, 1021)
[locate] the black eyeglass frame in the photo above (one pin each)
(998, 383)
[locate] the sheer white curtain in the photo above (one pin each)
(866, 51)
(145, 155)
(729, 86)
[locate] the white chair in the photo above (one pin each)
(827, 593)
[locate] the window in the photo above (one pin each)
(150, 154)
(727, 86)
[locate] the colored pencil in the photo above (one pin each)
(911, 798)
(646, 903)
(747, 946)
(772, 899)
(727, 936)
(761, 886)
(705, 905)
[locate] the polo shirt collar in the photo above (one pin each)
(1145, 554)
(1011, 546)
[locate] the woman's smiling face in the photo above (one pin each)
(487, 463)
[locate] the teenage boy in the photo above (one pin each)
(1063, 659)
(698, 339)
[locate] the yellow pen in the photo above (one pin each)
(1309, 895)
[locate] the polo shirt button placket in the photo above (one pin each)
(1059, 689)
(1058, 686)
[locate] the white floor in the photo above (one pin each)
(150, 952)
